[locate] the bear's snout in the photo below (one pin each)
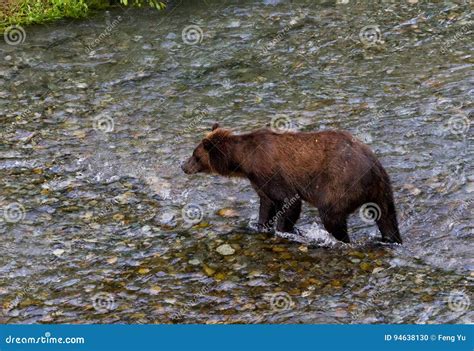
(184, 168)
(189, 167)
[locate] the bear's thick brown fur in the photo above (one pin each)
(331, 170)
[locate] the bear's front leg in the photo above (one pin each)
(336, 224)
(266, 214)
(289, 215)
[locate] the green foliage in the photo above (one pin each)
(23, 12)
(98, 4)
(159, 5)
(37, 11)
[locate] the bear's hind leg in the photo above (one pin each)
(387, 221)
(286, 222)
(336, 225)
(388, 227)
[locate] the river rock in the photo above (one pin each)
(82, 85)
(227, 212)
(194, 262)
(225, 250)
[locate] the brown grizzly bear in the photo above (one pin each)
(331, 170)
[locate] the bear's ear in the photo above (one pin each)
(208, 145)
(216, 139)
(215, 126)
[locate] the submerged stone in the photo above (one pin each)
(225, 250)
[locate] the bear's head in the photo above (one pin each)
(211, 155)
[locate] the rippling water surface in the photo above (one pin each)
(94, 128)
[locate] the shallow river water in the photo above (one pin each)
(100, 225)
